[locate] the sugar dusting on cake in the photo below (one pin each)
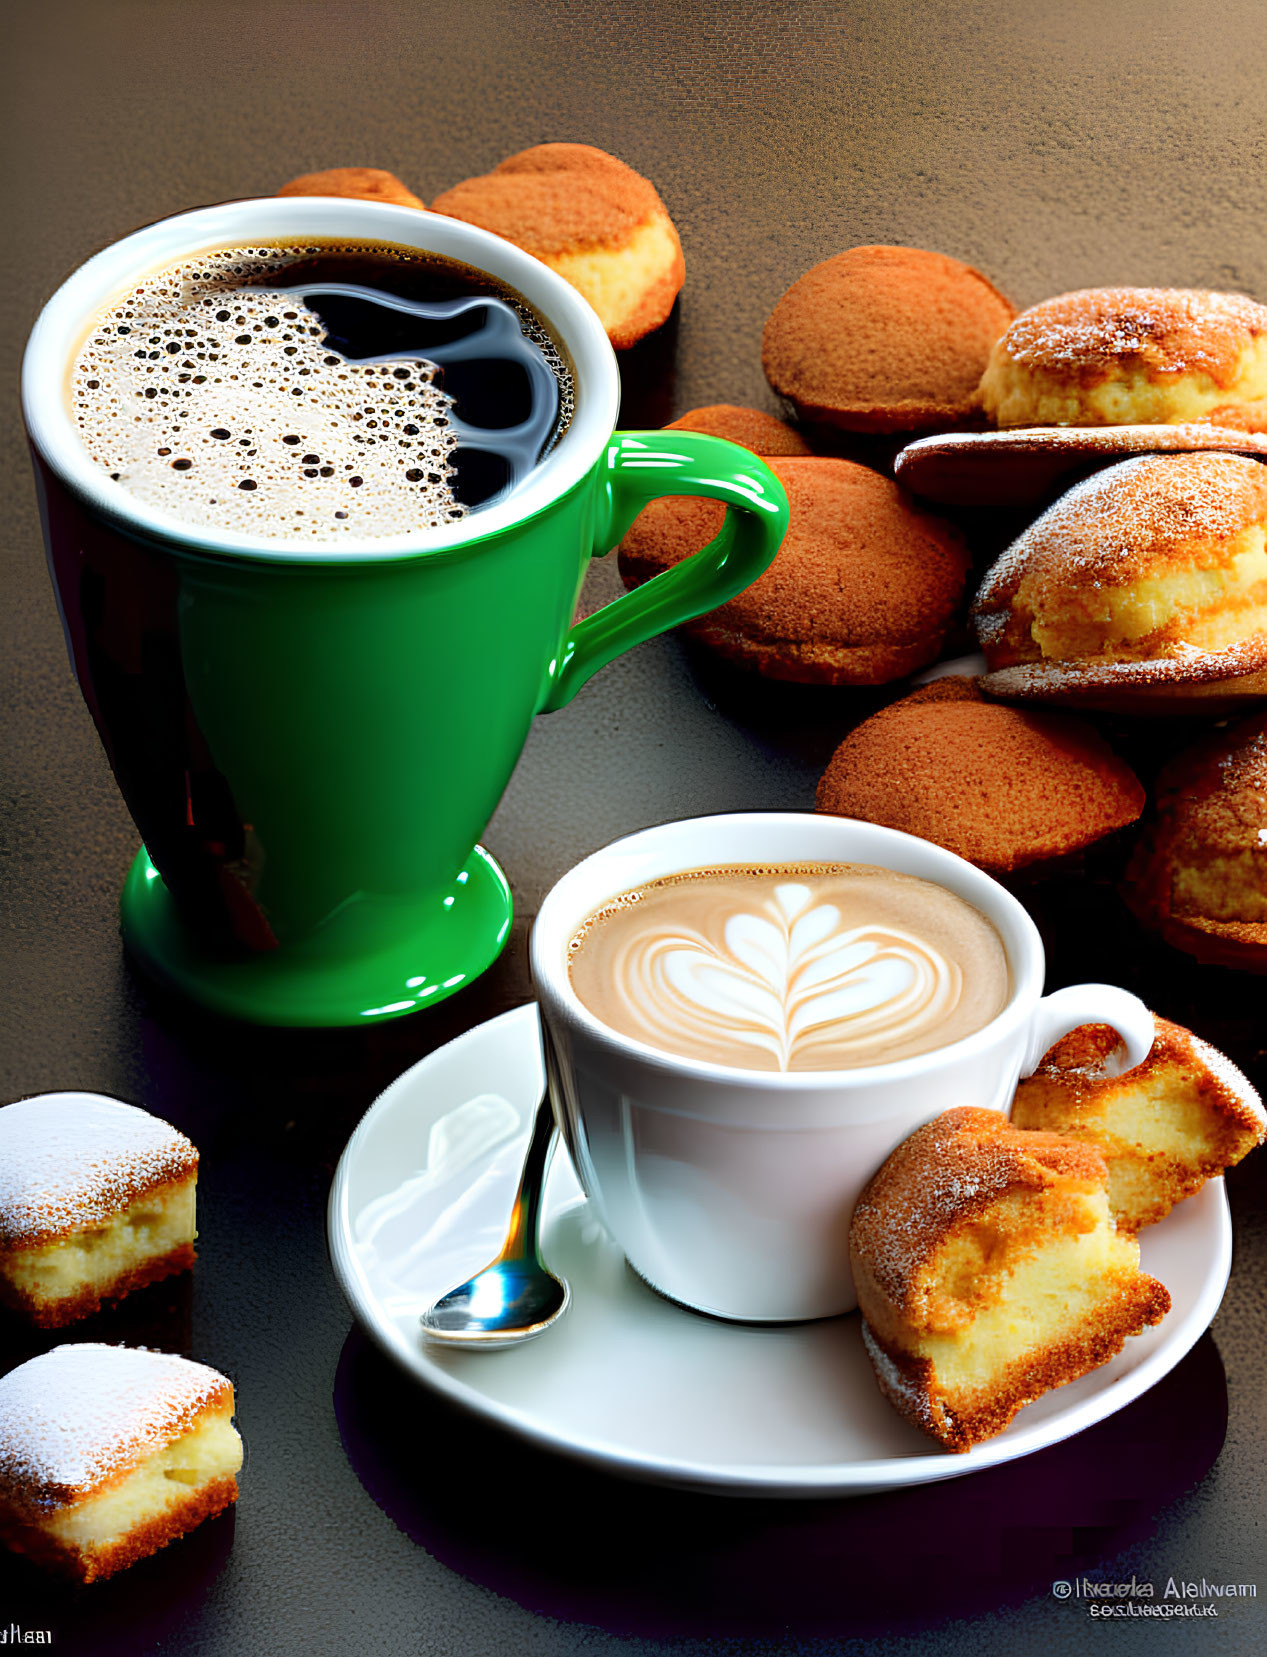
(1093, 441)
(70, 1160)
(76, 1417)
(906, 1392)
(1232, 1081)
(1171, 331)
(1187, 665)
(1152, 518)
(1110, 527)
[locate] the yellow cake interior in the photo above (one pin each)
(94, 1259)
(1209, 605)
(1015, 394)
(1161, 1135)
(1230, 886)
(1030, 1304)
(616, 283)
(211, 1450)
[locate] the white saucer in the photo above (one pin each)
(629, 1381)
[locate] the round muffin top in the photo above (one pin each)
(360, 183)
(1001, 787)
(1092, 334)
(748, 427)
(884, 339)
(1158, 555)
(556, 198)
(860, 565)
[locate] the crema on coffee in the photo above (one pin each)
(319, 389)
(791, 967)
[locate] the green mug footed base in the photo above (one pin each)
(424, 955)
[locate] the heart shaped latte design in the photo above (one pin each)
(787, 981)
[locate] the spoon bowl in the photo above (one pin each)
(516, 1296)
(500, 1306)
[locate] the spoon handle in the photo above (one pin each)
(521, 1235)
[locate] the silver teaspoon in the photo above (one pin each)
(514, 1297)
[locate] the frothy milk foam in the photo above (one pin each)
(805, 967)
(223, 404)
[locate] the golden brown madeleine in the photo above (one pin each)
(361, 183)
(591, 218)
(1143, 586)
(862, 590)
(1131, 356)
(1199, 871)
(989, 1271)
(761, 433)
(884, 339)
(1180, 1118)
(1002, 787)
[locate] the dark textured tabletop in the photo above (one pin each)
(1054, 146)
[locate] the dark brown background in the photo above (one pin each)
(1054, 146)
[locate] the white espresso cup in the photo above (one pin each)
(732, 1190)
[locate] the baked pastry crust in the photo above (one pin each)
(1019, 467)
(1198, 874)
(1164, 1128)
(884, 339)
(107, 1453)
(1131, 356)
(862, 590)
(1000, 786)
(989, 1271)
(1090, 377)
(1144, 588)
(748, 427)
(360, 183)
(591, 218)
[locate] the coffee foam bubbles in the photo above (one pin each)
(220, 404)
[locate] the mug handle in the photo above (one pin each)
(638, 467)
(1064, 1010)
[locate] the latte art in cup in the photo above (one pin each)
(800, 967)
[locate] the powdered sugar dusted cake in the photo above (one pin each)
(107, 1453)
(96, 1199)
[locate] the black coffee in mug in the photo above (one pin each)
(318, 390)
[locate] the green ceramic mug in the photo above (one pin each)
(311, 738)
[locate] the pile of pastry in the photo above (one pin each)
(1139, 590)
(1131, 422)
(995, 1259)
(998, 1259)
